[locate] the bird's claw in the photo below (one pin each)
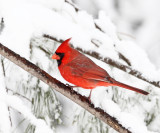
(68, 85)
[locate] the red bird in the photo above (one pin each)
(81, 71)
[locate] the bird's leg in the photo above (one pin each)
(89, 98)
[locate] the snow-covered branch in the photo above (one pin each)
(15, 103)
(60, 87)
(114, 63)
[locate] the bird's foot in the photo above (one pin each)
(68, 85)
(72, 87)
(89, 97)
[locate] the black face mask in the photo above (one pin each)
(61, 55)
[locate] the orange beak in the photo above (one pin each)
(55, 57)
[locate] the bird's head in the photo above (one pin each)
(61, 51)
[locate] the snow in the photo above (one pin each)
(140, 60)
(51, 4)
(26, 20)
(4, 114)
(108, 27)
(17, 104)
(155, 125)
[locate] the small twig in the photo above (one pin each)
(63, 89)
(44, 50)
(2, 64)
(98, 27)
(15, 93)
(1, 25)
(53, 38)
(76, 8)
(114, 63)
(93, 41)
(127, 35)
(121, 56)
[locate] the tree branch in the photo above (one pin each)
(60, 87)
(114, 63)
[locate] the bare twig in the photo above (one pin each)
(93, 42)
(53, 38)
(1, 25)
(121, 56)
(114, 63)
(2, 64)
(60, 87)
(45, 51)
(76, 8)
(127, 35)
(97, 27)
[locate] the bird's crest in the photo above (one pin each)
(64, 46)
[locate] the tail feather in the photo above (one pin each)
(116, 83)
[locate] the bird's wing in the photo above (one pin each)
(86, 68)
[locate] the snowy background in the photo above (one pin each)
(128, 27)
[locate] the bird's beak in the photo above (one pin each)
(55, 57)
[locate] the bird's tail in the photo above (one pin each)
(116, 83)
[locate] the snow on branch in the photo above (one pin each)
(77, 9)
(62, 88)
(16, 103)
(112, 62)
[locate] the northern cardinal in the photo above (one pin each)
(81, 71)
